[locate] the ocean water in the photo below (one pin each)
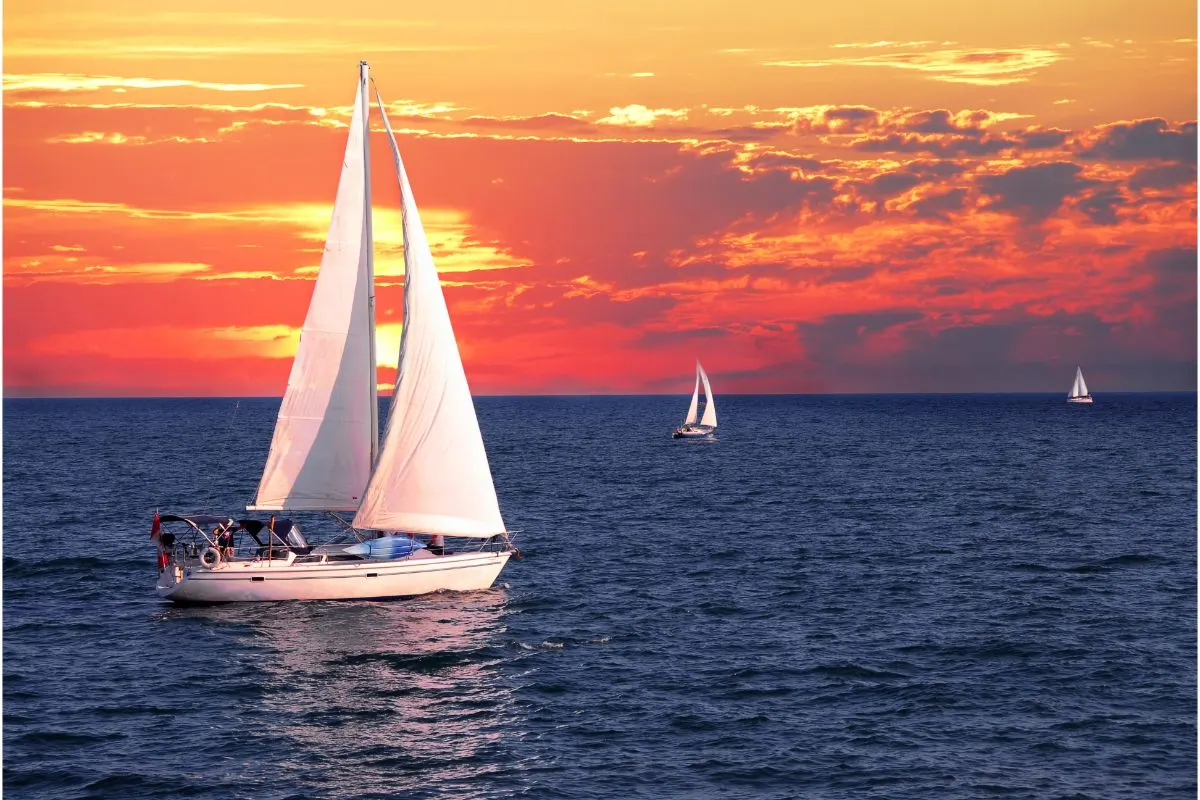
(860, 597)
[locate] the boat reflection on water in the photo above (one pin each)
(368, 697)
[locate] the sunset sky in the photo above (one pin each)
(859, 196)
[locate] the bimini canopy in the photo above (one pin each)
(286, 534)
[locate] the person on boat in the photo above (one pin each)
(224, 541)
(437, 545)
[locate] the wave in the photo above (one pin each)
(15, 568)
(851, 670)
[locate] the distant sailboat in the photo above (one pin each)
(430, 478)
(1079, 391)
(690, 429)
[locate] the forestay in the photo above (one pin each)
(321, 451)
(432, 475)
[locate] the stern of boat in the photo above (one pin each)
(169, 579)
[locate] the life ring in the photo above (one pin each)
(211, 557)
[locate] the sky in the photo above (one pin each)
(862, 196)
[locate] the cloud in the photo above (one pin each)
(939, 205)
(887, 184)
(882, 43)
(1173, 268)
(938, 132)
(1164, 176)
(639, 116)
(141, 48)
(848, 119)
(942, 121)
(1035, 192)
(980, 67)
(936, 144)
(1141, 140)
(1100, 207)
(189, 20)
(551, 121)
(653, 338)
(74, 82)
(1042, 138)
(775, 159)
(83, 271)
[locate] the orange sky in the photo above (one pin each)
(843, 197)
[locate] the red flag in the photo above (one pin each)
(155, 526)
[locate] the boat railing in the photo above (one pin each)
(245, 549)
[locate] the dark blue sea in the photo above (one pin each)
(839, 597)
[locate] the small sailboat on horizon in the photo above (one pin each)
(691, 429)
(429, 481)
(1079, 391)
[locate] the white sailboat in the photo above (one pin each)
(690, 429)
(1079, 391)
(431, 478)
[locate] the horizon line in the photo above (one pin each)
(607, 394)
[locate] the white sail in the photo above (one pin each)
(710, 408)
(326, 433)
(432, 475)
(1079, 388)
(691, 415)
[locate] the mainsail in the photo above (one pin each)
(327, 430)
(710, 408)
(691, 415)
(1079, 388)
(432, 474)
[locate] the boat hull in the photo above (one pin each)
(259, 581)
(1086, 400)
(690, 433)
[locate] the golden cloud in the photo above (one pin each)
(981, 67)
(639, 116)
(75, 82)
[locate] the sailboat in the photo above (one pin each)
(1079, 391)
(690, 429)
(429, 480)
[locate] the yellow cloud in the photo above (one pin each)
(639, 116)
(448, 231)
(83, 270)
(281, 341)
(884, 43)
(74, 82)
(200, 344)
(451, 238)
(157, 48)
(982, 67)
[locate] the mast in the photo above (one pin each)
(373, 393)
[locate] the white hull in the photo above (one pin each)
(1079, 399)
(257, 581)
(692, 433)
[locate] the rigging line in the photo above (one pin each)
(347, 525)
